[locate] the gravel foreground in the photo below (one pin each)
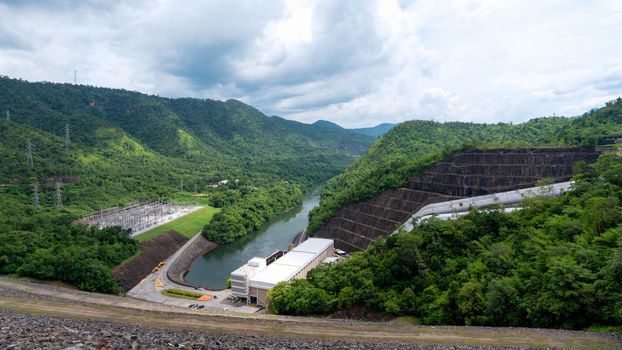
(27, 331)
(20, 330)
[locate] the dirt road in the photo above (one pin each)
(23, 297)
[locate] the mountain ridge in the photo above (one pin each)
(373, 131)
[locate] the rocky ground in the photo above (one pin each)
(32, 319)
(26, 331)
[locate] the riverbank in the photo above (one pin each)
(213, 269)
(180, 266)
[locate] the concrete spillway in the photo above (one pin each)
(466, 174)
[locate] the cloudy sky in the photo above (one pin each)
(357, 63)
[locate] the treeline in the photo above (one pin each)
(47, 246)
(411, 147)
(246, 209)
(555, 263)
(595, 125)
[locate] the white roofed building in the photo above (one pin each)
(295, 264)
(240, 278)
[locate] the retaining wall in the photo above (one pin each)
(471, 173)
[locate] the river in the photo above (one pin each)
(212, 269)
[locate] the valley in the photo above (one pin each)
(240, 196)
(263, 175)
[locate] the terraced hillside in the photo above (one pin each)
(471, 173)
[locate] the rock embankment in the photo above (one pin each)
(26, 331)
(181, 265)
(471, 173)
(152, 252)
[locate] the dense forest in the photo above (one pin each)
(248, 209)
(411, 147)
(555, 263)
(125, 146)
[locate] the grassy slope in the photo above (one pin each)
(188, 225)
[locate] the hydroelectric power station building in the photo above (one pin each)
(253, 280)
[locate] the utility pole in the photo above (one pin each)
(36, 196)
(181, 185)
(195, 188)
(75, 76)
(8, 115)
(59, 198)
(29, 154)
(67, 139)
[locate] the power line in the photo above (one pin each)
(35, 196)
(67, 138)
(59, 198)
(29, 155)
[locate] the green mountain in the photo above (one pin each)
(375, 131)
(412, 146)
(327, 124)
(132, 145)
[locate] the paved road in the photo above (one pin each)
(149, 289)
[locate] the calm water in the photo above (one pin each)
(212, 269)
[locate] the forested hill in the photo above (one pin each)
(374, 131)
(410, 147)
(220, 139)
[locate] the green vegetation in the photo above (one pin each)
(595, 125)
(188, 225)
(126, 146)
(250, 209)
(411, 147)
(51, 248)
(556, 263)
(179, 293)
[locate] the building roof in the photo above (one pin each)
(290, 264)
(253, 267)
(272, 275)
(314, 245)
(295, 258)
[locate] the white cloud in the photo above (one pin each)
(356, 63)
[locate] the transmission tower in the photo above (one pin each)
(59, 198)
(35, 196)
(67, 138)
(29, 154)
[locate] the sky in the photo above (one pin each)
(356, 63)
